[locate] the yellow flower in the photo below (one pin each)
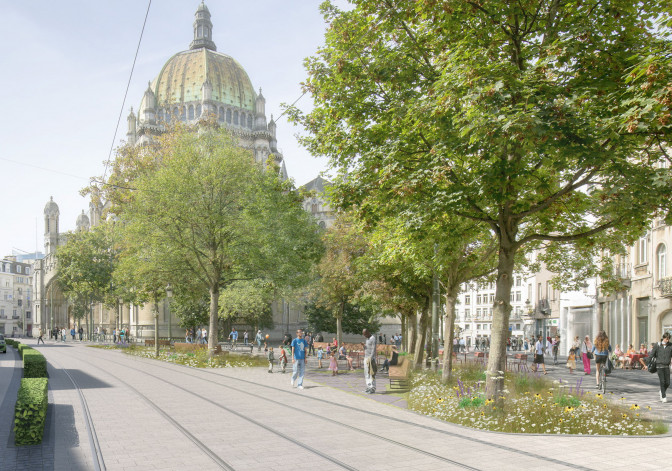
(648, 407)
(561, 420)
(625, 416)
(634, 407)
(538, 396)
(599, 396)
(482, 413)
(637, 414)
(543, 406)
(569, 409)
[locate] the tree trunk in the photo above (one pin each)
(213, 335)
(500, 323)
(420, 341)
(339, 325)
(412, 331)
(404, 333)
(448, 333)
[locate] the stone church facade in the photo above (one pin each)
(199, 83)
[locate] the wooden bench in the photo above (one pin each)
(400, 374)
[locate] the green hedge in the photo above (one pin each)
(30, 412)
(13, 343)
(34, 364)
(22, 347)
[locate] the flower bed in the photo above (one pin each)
(531, 405)
(197, 359)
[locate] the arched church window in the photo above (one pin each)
(176, 113)
(183, 113)
(199, 31)
(206, 32)
(323, 225)
(228, 116)
(191, 111)
(249, 121)
(235, 117)
(221, 113)
(161, 117)
(242, 119)
(199, 110)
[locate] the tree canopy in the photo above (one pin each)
(210, 213)
(502, 113)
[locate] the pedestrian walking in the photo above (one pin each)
(586, 347)
(555, 345)
(571, 361)
(271, 356)
(283, 358)
(64, 334)
(233, 336)
(320, 356)
(299, 347)
(204, 335)
(370, 367)
(72, 333)
(258, 339)
(40, 334)
(245, 337)
(539, 355)
(80, 331)
(187, 337)
(662, 352)
(311, 344)
(333, 363)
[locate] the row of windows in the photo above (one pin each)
(485, 299)
(223, 115)
(7, 268)
(661, 256)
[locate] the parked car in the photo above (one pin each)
(3, 344)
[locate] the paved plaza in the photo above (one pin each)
(111, 411)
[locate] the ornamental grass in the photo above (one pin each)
(197, 359)
(532, 404)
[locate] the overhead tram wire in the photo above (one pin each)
(128, 85)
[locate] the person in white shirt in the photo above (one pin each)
(539, 355)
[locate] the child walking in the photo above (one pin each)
(283, 358)
(320, 355)
(571, 361)
(333, 364)
(270, 357)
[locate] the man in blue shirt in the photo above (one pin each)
(299, 346)
(233, 336)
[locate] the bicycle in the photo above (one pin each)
(602, 378)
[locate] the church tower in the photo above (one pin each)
(51, 215)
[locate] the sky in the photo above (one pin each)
(65, 68)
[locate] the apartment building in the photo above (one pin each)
(16, 295)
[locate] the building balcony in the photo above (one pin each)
(665, 286)
(543, 307)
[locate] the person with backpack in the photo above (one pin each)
(662, 354)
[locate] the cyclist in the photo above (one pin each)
(662, 352)
(601, 350)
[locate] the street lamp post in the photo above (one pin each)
(169, 297)
(156, 329)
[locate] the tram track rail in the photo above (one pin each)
(173, 369)
(96, 452)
